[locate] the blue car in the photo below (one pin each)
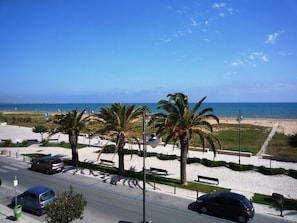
(35, 199)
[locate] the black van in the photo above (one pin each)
(47, 164)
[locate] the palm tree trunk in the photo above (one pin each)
(73, 143)
(121, 160)
(183, 161)
(121, 144)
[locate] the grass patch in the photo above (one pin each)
(252, 137)
(62, 144)
(289, 204)
(280, 149)
(9, 143)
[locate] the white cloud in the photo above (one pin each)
(258, 56)
(189, 31)
(178, 34)
(271, 38)
(194, 22)
(230, 10)
(185, 9)
(237, 63)
(250, 60)
(218, 5)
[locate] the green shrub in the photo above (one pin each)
(130, 151)
(237, 167)
(24, 143)
(212, 163)
(162, 156)
(148, 154)
(193, 160)
(7, 143)
(289, 204)
(67, 207)
(292, 173)
(270, 171)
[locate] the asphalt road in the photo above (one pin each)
(109, 203)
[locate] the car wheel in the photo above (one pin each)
(38, 212)
(203, 210)
(48, 172)
(242, 219)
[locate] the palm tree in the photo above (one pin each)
(71, 123)
(180, 124)
(120, 120)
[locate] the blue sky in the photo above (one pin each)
(75, 51)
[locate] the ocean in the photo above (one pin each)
(247, 110)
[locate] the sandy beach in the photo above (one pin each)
(286, 126)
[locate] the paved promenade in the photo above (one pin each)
(243, 182)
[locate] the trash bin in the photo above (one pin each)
(279, 199)
(17, 210)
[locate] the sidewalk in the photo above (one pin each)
(6, 213)
(246, 183)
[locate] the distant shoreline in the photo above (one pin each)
(228, 119)
(283, 110)
(286, 126)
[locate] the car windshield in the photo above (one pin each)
(247, 203)
(57, 161)
(48, 195)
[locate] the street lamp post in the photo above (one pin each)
(153, 142)
(239, 118)
(143, 168)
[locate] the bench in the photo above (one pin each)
(208, 179)
(158, 171)
(32, 141)
(106, 162)
(53, 140)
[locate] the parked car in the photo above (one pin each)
(227, 205)
(35, 199)
(47, 164)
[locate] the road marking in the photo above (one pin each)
(4, 171)
(10, 167)
(20, 165)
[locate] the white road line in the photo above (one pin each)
(3, 171)
(20, 165)
(10, 167)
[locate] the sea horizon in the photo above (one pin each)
(277, 110)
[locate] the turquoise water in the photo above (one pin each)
(248, 110)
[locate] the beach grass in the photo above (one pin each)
(251, 138)
(279, 146)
